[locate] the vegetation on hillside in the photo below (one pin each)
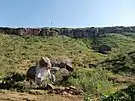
(127, 94)
(18, 53)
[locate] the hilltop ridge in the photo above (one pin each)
(71, 32)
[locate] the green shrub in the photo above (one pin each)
(124, 64)
(88, 98)
(91, 81)
(127, 94)
(9, 81)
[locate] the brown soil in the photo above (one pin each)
(18, 96)
(122, 79)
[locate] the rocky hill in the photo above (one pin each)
(96, 74)
(72, 32)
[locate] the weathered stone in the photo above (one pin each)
(31, 73)
(64, 73)
(64, 93)
(50, 87)
(40, 72)
(62, 63)
(43, 71)
(104, 49)
(72, 87)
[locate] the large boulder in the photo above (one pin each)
(104, 49)
(62, 68)
(43, 69)
(59, 70)
(31, 72)
(62, 62)
(39, 72)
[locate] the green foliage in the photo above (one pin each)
(10, 80)
(119, 43)
(87, 98)
(123, 64)
(127, 94)
(91, 81)
(16, 51)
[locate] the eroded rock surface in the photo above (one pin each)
(71, 32)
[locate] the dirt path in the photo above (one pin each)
(17, 96)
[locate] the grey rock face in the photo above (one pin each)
(71, 32)
(63, 63)
(31, 73)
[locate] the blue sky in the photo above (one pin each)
(67, 13)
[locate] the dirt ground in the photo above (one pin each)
(18, 96)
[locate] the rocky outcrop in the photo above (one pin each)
(40, 72)
(62, 65)
(71, 32)
(104, 49)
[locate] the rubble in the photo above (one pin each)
(66, 91)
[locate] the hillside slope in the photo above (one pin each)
(18, 53)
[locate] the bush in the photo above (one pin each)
(90, 81)
(21, 86)
(10, 79)
(127, 94)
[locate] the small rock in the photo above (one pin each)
(71, 92)
(64, 93)
(50, 87)
(72, 87)
(63, 62)
(61, 88)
